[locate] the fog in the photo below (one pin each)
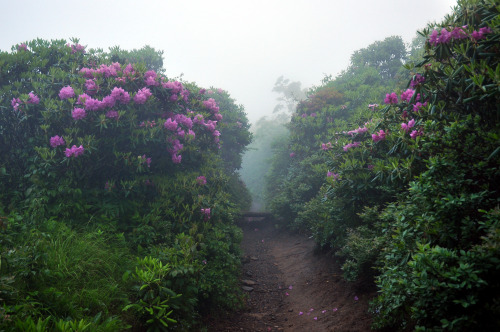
(240, 46)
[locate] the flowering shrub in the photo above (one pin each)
(416, 194)
(118, 147)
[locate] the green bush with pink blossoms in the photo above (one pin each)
(410, 193)
(119, 149)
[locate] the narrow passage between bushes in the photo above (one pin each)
(290, 288)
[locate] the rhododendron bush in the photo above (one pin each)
(94, 143)
(409, 195)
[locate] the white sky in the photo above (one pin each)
(240, 46)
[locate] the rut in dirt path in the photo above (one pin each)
(292, 289)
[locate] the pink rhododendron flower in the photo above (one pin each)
(292, 154)
(433, 38)
(326, 146)
(358, 131)
(351, 145)
(142, 95)
(416, 133)
(22, 47)
(356, 298)
(301, 313)
(444, 37)
(335, 309)
(380, 136)
(206, 213)
(120, 95)
(66, 92)
(418, 79)
(406, 95)
(15, 102)
(74, 151)
(108, 102)
(78, 113)
(33, 98)
(407, 126)
(112, 114)
(198, 119)
(391, 98)
(458, 33)
(92, 104)
(335, 176)
(91, 86)
(418, 105)
(201, 180)
(56, 141)
(170, 125)
(202, 91)
(77, 48)
(150, 77)
(176, 159)
(211, 104)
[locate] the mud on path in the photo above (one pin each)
(292, 288)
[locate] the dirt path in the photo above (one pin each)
(294, 290)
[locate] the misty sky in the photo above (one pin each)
(240, 46)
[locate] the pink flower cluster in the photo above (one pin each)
(74, 151)
(176, 147)
(22, 47)
(77, 48)
(418, 105)
(206, 213)
(358, 131)
(201, 180)
(32, 99)
(150, 78)
(407, 126)
(16, 103)
(417, 79)
(103, 71)
(66, 93)
(335, 176)
(391, 98)
(407, 95)
(145, 160)
(78, 113)
(457, 33)
(112, 114)
(351, 145)
(326, 146)
(380, 136)
(177, 90)
(56, 141)
(91, 86)
(372, 106)
(211, 104)
(142, 95)
(416, 133)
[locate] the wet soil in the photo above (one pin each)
(292, 288)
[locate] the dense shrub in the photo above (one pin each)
(112, 150)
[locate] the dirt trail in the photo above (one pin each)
(294, 290)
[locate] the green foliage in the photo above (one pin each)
(153, 296)
(411, 195)
(74, 224)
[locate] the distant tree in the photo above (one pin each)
(291, 93)
(386, 56)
